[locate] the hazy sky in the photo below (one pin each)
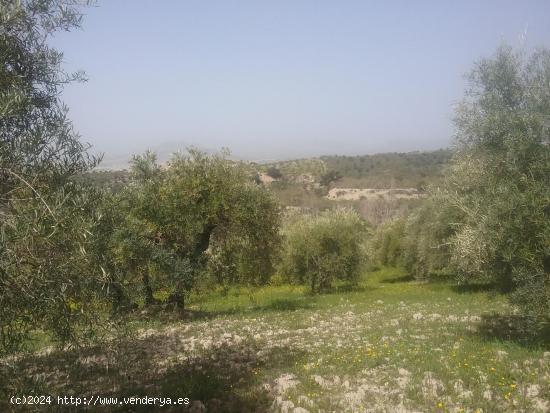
(279, 79)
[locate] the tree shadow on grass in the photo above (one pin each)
(278, 305)
(223, 377)
(351, 288)
(287, 304)
(516, 328)
(342, 288)
(163, 315)
(475, 288)
(396, 280)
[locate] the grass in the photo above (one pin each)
(390, 343)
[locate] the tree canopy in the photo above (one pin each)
(46, 218)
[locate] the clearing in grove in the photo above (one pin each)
(390, 344)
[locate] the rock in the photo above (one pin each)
(458, 386)
(325, 384)
(285, 382)
(286, 406)
(431, 387)
(532, 390)
(197, 407)
(541, 405)
(305, 401)
(466, 395)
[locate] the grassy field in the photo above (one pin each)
(389, 345)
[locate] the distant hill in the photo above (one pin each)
(379, 171)
(383, 170)
(164, 150)
(389, 170)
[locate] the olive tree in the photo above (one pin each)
(500, 177)
(47, 279)
(321, 249)
(427, 237)
(386, 246)
(201, 213)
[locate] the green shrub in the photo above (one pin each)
(329, 177)
(426, 243)
(419, 242)
(386, 247)
(320, 249)
(274, 172)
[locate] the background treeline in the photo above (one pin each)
(304, 183)
(390, 170)
(384, 170)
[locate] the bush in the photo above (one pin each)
(426, 244)
(419, 242)
(386, 247)
(274, 172)
(320, 249)
(329, 177)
